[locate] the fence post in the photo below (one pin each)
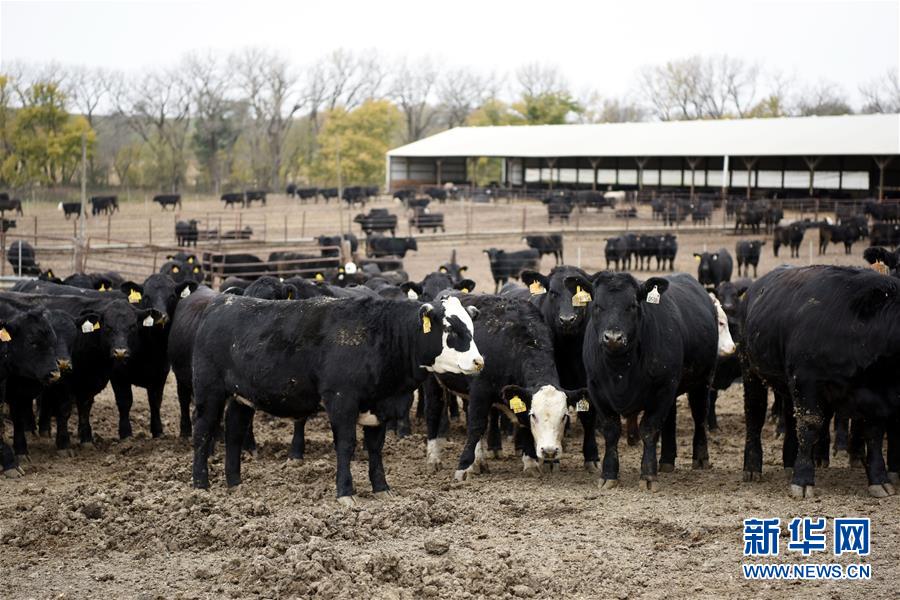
(35, 232)
(150, 231)
(524, 213)
(108, 227)
(285, 228)
(303, 224)
(219, 232)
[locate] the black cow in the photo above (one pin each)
(165, 200)
(825, 339)
(70, 208)
(22, 253)
(330, 244)
(232, 198)
(749, 215)
(433, 284)
(180, 271)
(520, 370)
(329, 193)
(747, 253)
(508, 265)
(391, 345)
(789, 235)
(885, 234)
(290, 190)
(772, 217)
(645, 344)
(546, 244)
(846, 234)
(379, 245)
(287, 263)
(104, 204)
(668, 249)
(565, 313)
(702, 212)
(616, 251)
(306, 193)
(647, 249)
(714, 268)
(251, 196)
(559, 209)
(728, 368)
(7, 203)
(377, 220)
(244, 265)
(186, 233)
(889, 260)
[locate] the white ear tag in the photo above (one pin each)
(186, 292)
(653, 296)
(148, 322)
(411, 294)
(582, 405)
(87, 327)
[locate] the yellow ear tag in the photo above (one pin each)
(134, 297)
(463, 269)
(697, 258)
(96, 326)
(196, 269)
(536, 288)
(340, 269)
(426, 324)
(582, 405)
(4, 335)
(442, 270)
(580, 297)
(516, 404)
(175, 269)
(190, 260)
(465, 290)
(103, 287)
(320, 277)
(653, 296)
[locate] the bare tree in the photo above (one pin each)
(610, 110)
(882, 94)
(823, 99)
(412, 89)
(270, 87)
(535, 79)
(459, 92)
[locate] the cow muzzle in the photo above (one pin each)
(120, 353)
(614, 340)
(54, 376)
(549, 452)
(477, 364)
(64, 365)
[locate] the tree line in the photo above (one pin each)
(255, 119)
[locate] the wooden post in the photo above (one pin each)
(524, 213)
(303, 224)
(150, 231)
(108, 227)
(35, 233)
(285, 228)
(882, 162)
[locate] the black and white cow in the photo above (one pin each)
(826, 339)
(307, 348)
(645, 344)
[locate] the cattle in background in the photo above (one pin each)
(308, 193)
(404, 196)
(330, 244)
(243, 265)
(749, 215)
(616, 251)
(7, 203)
(186, 233)
(889, 260)
(70, 208)
(648, 247)
(7, 224)
(858, 221)
(329, 193)
(836, 234)
(714, 267)
(22, 253)
(164, 200)
(668, 249)
(433, 284)
(251, 196)
(847, 366)
(377, 220)
(436, 193)
(104, 204)
(728, 368)
(379, 245)
(772, 217)
(290, 190)
(392, 345)
(885, 234)
(559, 209)
(452, 268)
(747, 253)
(701, 212)
(355, 195)
(645, 344)
(789, 235)
(885, 212)
(286, 264)
(233, 198)
(508, 265)
(546, 244)
(423, 219)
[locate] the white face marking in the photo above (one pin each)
(548, 421)
(453, 361)
(726, 344)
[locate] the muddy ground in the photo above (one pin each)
(122, 521)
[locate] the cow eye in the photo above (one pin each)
(553, 294)
(534, 417)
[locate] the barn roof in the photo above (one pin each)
(789, 136)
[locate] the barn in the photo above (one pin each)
(848, 156)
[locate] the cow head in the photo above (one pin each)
(451, 323)
(28, 342)
(726, 343)
(161, 293)
(706, 262)
(117, 326)
(618, 306)
(555, 296)
(64, 327)
(546, 410)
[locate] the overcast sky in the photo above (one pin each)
(595, 44)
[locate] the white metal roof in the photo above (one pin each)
(790, 136)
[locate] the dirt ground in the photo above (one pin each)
(122, 521)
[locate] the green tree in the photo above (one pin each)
(494, 112)
(547, 108)
(360, 138)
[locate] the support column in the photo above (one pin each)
(882, 162)
(641, 161)
(437, 169)
(551, 163)
(748, 163)
(594, 163)
(811, 162)
(692, 162)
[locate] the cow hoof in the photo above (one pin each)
(347, 501)
(383, 495)
(480, 465)
(433, 450)
(531, 466)
(23, 458)
(496, 453)
(591, 466)
(13, 473)
(608, 484)
(822, 463)
(881, 490)
(752, 476)
(463, 474)
(841, 453)
(894, 478)
(65, 453)
(666, 467)
(254, 453)
(701, 463)
(802, 491)
(433, 465)
(295, 460)
(855, 462)
(89, 446)
(551, 466)
(649, 486)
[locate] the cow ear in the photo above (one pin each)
(659, 283)
(427, 314)
(537, 283)
(292, 293)
(473, 312)
(234, 291)
(869, 301)
(102, 284)
(573, 282)
(579, 399)
(412, 290)
(698, 257)
(186, 288)
(517, 399)
(133, 291)
(88, 322)
(149, 317)
(466, 286)
(740, 290)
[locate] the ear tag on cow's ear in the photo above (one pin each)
(196, 269)
(880, 267)
(581, 297)
(148, 322)
(582, 405)
(190, 260)
(103, 288)
(653, 296)
(516, 404)
(175, 269)
(88, 327)
(340, 269)
(4, 335)
(134, 296)
(320, 277)
(426, 324)
(536, 288)
(411, 294)
(464, 290)
(443, 270)
(463, 269)
(697, 258)
(185, 292)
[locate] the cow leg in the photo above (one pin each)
(436, 425)
(185, 393)
(755, 398)
(893, 451)
(343, 412)
(84, 403)
(698, 400)
(124, 401)
(471, 460)
(373, 438)
(209, 405)
(805, 397)
(298, 440)
(530, 464)
(879, 485)
(17, 410)
(668, 447)
(45, 412)
(711, 421)
(651, 426)
(589, 448)
(788, 426)
(154, 400)
(494, 439)
(823, 443)
(632, 434)
(238, 417)
(61, 404)
(248, 444)
(841, 433)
